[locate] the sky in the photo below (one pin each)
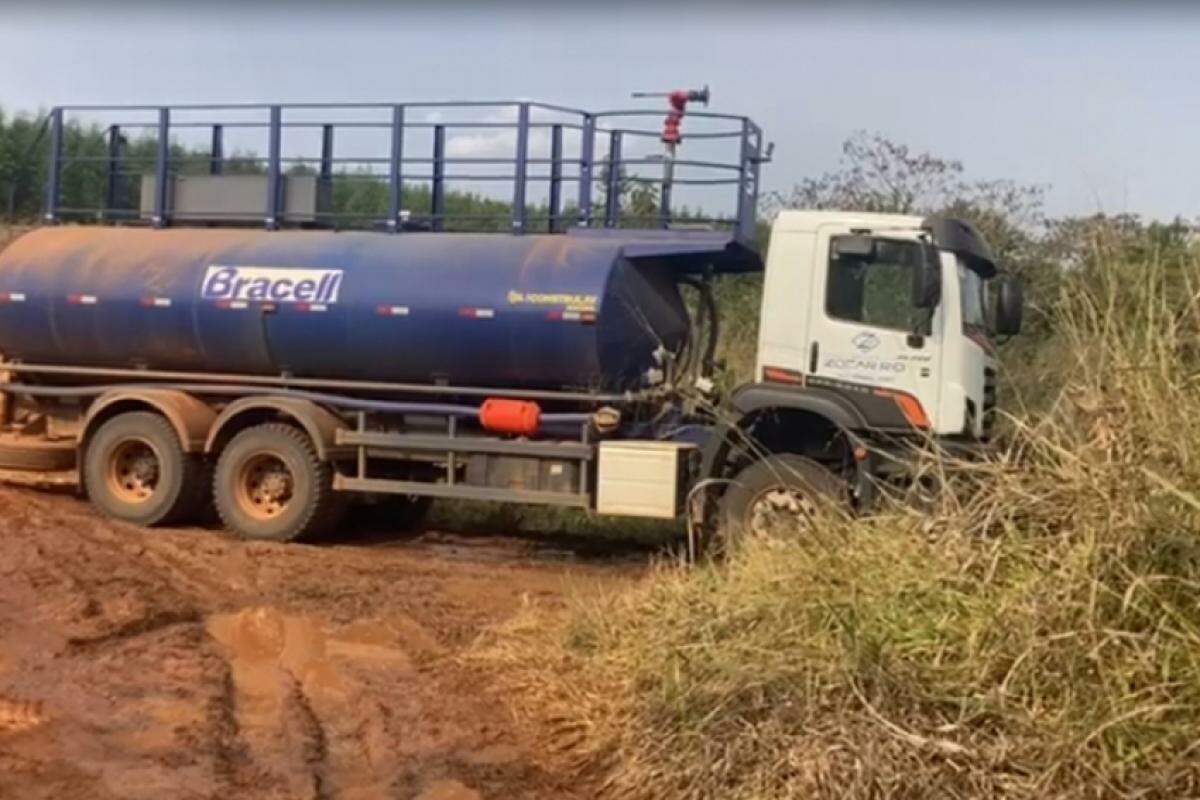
(1097, 102)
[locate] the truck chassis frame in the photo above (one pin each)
(354, 445)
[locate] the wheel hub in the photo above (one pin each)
(134, 471)
(780, 509)
(265, 486)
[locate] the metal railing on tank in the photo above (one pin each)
(516, 166)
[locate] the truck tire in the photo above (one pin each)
(270, 485)
(135, 470)
(778, 496)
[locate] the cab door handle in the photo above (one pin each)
(813, 353)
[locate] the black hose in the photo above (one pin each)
(337, 401)
(711, 322)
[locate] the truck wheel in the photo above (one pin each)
(778, 496)
(135, 470)
(270, 485)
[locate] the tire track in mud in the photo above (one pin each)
(311, 746)
(183, 664)
(222, 732)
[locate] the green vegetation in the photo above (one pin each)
(1037, 634)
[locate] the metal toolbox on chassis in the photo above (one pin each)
(642, 478)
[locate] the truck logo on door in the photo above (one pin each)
(865, 342)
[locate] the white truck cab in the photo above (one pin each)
(843, 309)
(876, 333)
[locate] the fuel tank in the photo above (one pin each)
(583, 310)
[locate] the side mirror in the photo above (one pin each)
(861, 247)
(927, 280)
(1010, 306)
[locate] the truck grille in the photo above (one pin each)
(989, 400)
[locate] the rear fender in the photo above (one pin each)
(321, 424)
(190, 417)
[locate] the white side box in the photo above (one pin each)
(641, 478)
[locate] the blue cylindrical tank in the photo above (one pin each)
(538, 311)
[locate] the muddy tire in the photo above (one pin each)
(135, 470)
(270, 485)
(777, 497)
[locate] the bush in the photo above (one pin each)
(1036, 635)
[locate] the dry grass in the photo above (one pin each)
(1036, 635)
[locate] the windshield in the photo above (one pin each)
(972, 293)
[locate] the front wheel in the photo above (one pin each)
(270, 485)
(779, 497)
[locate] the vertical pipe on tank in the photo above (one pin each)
(216, 153)
(274, 171)
(746, 184)
(587, 150)
(54, 178)
(612, 194)
(668, 181)
(756, 161)
(325, 179)
(587, 168)
(112, 178)
(327, 152)
(161, 163)
(395, 174)
(518, 218)
(555, 177)
(437, 195)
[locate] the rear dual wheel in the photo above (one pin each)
(135, 469)
(271, 485)
(268, 484)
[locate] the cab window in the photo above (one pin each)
(874, 289)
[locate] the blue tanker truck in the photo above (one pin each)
(209, 335)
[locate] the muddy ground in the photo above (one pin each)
(183, 664)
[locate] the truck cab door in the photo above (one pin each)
(866, 329)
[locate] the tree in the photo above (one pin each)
(879, 175)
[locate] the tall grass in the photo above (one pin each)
(1037, 634)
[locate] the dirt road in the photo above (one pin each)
(181, 664)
